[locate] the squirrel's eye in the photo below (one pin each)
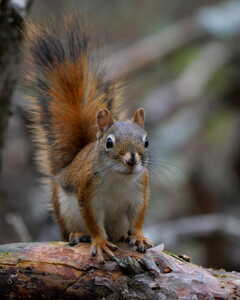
(109, 142)
(146, 142)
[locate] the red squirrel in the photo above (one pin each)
(95, 160)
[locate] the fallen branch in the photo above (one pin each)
(173, 231)
(164, 102)
(156, 46)
(55, 270)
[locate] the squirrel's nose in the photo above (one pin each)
(130, 159)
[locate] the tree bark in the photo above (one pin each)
(54, 270)
(12, 15)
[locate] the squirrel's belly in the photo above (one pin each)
(118, 199)
(70, 212)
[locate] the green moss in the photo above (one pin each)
(5, 254)
(173, 255)
(219, 275)
(57, 243)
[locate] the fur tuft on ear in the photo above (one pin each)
(138, 117)
(104, 119)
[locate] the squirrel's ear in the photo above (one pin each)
(104, 119)
(138, 117)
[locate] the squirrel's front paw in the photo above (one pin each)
(140, 241)
(100, 245)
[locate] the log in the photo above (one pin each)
(54, 270)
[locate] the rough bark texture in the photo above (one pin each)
(55, 270)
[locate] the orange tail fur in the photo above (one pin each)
(69, 89)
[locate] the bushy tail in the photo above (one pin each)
(69, 89)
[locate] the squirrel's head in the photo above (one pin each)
(123, 144)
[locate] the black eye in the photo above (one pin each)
(146, 143)
(109, 143)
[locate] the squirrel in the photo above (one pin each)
(94, 158)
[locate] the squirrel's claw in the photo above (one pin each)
(78, 237)
(141, 242)
(112, 246)
(124, 239)
(101, 245)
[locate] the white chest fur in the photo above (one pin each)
(69, 208)
(114, 205)
(118, 197)
(118, 192)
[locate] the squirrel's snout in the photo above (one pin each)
(131, 159)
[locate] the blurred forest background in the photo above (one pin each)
(181, 62)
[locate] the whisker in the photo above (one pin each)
(163, 169)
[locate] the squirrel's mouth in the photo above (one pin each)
(133, 170)
(129, 170)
